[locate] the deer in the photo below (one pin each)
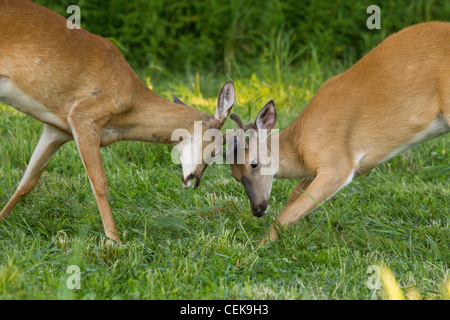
(395, 97)
(81, 88)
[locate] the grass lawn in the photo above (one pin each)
(202, 244)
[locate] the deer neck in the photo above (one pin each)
(290, 161)
(154, 119)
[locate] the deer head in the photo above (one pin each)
(246, 160)
(193, 152)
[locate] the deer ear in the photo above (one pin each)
(225, 102)
(176, 100)
(267, 117)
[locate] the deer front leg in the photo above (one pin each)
(51, 140)
(323, 187)
(87, 134)
(299, 189)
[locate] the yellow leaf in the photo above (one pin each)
(149, 84)
(390, 285)
(413, 294)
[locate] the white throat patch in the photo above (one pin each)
(190, 154)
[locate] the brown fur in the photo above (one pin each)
(90, 92)
(360, 117)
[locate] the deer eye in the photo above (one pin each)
(254, 164)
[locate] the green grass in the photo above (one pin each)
(202, 244)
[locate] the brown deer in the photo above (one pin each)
(81, 87)
(395, 97)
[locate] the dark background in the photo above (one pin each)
(218, 35)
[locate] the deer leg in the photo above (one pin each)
(444, 97)
(51, 140)
(323, 187)
(299, 189)
(87, 134)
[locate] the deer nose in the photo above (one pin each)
(259, 210)
(187, 181)
(196, 174)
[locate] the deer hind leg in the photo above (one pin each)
(51, 140)
(323, 187)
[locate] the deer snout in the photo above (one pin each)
(187, 183)
(197, 175)
(260, 209)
